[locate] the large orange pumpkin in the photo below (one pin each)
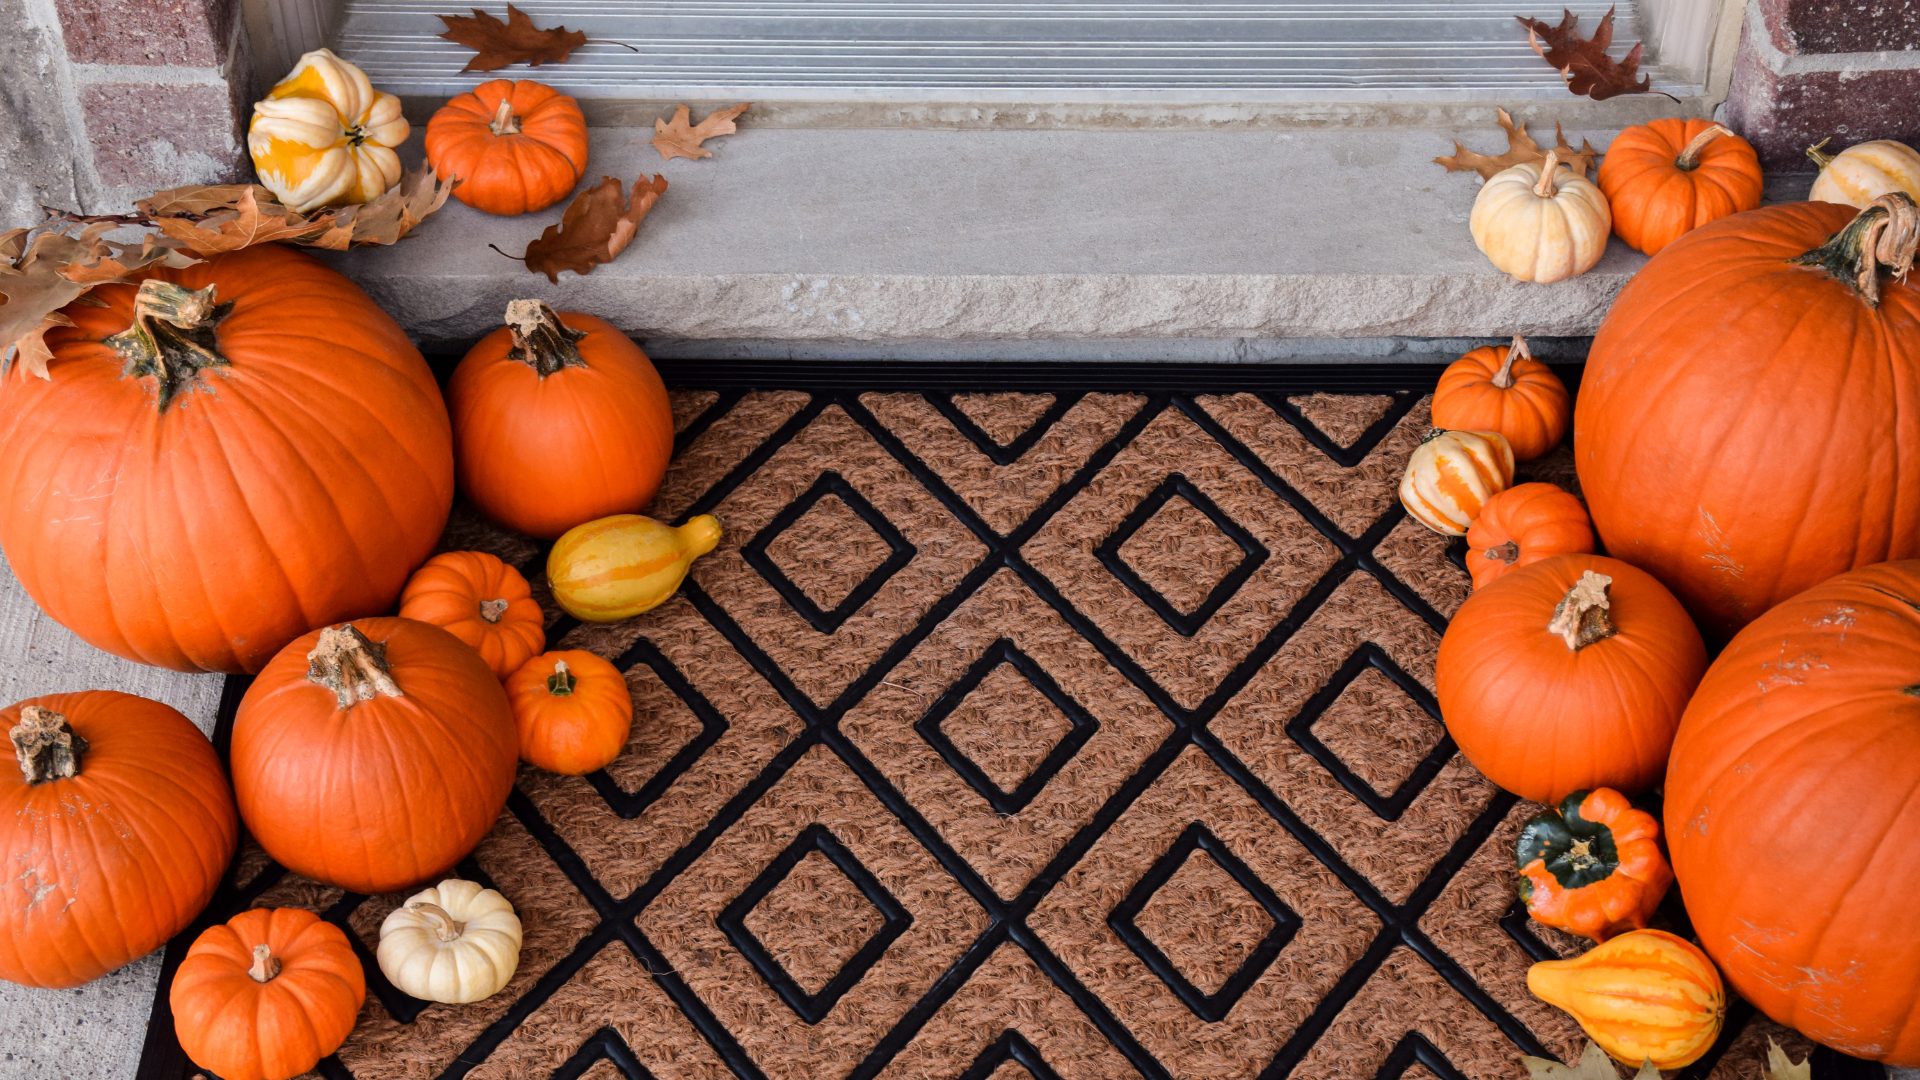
(1791, 812)
(267, 994)
(1749, 421)
(1667, 177)
(514, 147)
(117, 825)
(224, 457)
(373, 755)
(560, 419)
(1567, 675)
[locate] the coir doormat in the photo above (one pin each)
(1027, 724)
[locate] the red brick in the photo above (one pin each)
(150, 136)
(192, 33)
(1840, 26)
(1782, 115)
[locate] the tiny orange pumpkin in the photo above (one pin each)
(514, 147)
(483, 602)
(267, 994)
(1522, 525)
(1667, 177)
(573, 710)
(1508, 391)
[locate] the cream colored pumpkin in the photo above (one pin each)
(1862, 173)
(1451, 476)
(456, 942)
(323, 136)
(1538, 225)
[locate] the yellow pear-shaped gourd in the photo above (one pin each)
(1644, 996)
(323, 136)
(619, 566)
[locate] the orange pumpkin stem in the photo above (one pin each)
(445, 927)
(504, 122)
(1585, 614)
(265, 964)
(540, 340)
(351, 665)
(1689, 158)
(46, 745)
(560, 683)
(172, 336)
(1515, 352)
(1546, 188)
(1884, 236)
(492, 610)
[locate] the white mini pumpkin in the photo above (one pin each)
(323, 136)
(1452, 474)
(455, 943)
(1538, 225)
(1862, 173)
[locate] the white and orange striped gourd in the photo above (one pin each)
(1451, 476)
(1644, 996)
(323, 136)
(1863, 172)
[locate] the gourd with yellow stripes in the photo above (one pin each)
(1451, 476)
(620, 566)
(1865, 171)
(323, 136)
(1645, 996)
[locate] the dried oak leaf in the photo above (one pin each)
(597, 226)
(1584, 62)
(676, 138)
(1782, 1067)
(208, 219)
(251, 216)
(498, 44)
(385, 219)
(1594, 1064)
(42, 272)
(1520, 149)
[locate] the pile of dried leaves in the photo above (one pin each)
(48, 266)
(1596, 1065)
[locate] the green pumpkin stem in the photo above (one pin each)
(1886, 235)
(540, 340)
(351, 665)
(504, 122)
(1689, 158)
(265, 964)
(560, 683)
(172, 336)
(46, 745)
(1585, 615)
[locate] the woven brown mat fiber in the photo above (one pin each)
(1012, 735)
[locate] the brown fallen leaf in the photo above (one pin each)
(597, 226)
(675, 138)
(1520, 149)
(209, 219)
(43, 270)
(1584, 62)
(1782, 1067)
(499, 44)
(1594, 1064)
(386, 219)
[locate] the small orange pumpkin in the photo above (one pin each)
(267, 994)
(514, 147)
(1522, 525)
(1569, 674)
(573, 710)
(1645, 996)
(1667, 177)
(1508, 391)
(1452, 474)
(558, 419)
(483, 602)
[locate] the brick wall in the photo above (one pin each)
(1812, 69)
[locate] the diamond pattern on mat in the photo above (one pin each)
(1003, 417)
(1374, 1024)
(1006, 726)
(724, 444)
(1007, 849)
(1004, 495)
(1209, 920)
(815, 931)
(1394, 855)
(1354, 498)
(1378, 731)
(1188, 666)
(1186, 553)
(1418, 556)
(1075, 922)
(684, 922)
(665, 726)
(835, 554)
(822, 662)
(1342, 418)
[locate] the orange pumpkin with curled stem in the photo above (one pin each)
(513, 146)
(267, 994)
(1523, 525)
(483, 602)
(1667, 177)
(1505, 390)
(573, 710)
(1592, 865)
